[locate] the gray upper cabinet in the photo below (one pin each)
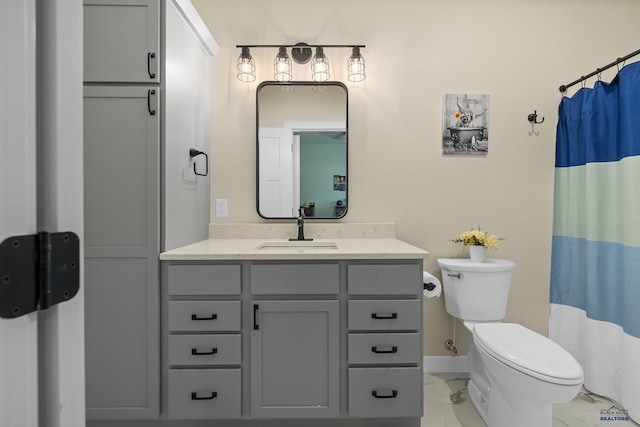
(122, 41)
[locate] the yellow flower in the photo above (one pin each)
(477, 237)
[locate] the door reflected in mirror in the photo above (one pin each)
(302, 133)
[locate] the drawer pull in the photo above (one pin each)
(196, 352)
(377, 316)
(393, 395)
(211, 396)
(197, 317)
(375, 349)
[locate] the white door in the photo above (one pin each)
(42, 353)
(276, 173)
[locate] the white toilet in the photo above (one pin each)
(516, 374)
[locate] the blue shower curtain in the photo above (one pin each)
(595, 272)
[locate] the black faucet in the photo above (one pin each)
(301, 225)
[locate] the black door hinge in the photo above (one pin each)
(38, 271)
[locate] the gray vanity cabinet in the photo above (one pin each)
(336, 341)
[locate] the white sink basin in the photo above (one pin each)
(297, 244)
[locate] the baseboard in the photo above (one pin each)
(444, 364)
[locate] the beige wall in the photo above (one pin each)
(518, 52)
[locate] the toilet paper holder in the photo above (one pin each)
(429, 286)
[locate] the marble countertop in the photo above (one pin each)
(253, 249)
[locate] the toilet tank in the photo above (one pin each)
(476, 291)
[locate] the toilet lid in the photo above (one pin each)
(528, 352)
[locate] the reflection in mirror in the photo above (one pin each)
(301, 149)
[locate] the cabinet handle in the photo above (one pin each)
(196, 352)
(197, 317)
(211, 396)
(393, 349)
(393, 395)
(149, 93)
(377, 316)
(255, 316)
(149, 56)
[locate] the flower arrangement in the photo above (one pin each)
(477, 237)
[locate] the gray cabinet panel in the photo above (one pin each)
(204, 316)
(383, 279)
(295, 359)
(119, 370)
(384, 315)
(385, 392)
(204, 350)
(119, 38)
(297, 279)
(202, 279)
(121, 252)
(121, 150)
(385, 348)
(204, 393)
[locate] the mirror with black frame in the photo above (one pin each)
(301, 152)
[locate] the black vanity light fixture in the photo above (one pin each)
(301, 54)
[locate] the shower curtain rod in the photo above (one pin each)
(564, 88)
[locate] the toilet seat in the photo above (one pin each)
(528, 352)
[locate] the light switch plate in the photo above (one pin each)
(221, 208)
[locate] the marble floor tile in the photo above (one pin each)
(446, 404)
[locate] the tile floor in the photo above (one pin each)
(447, 404)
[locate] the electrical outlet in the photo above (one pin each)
(221, 208)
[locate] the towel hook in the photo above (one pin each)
(193, 153)
(533, 118)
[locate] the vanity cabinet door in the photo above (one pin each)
(295, 359)
(122, 41)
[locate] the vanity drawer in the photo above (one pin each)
(385, 348)
(384, 315)
(385, 392)
(202, 279)
(204, 350)
(299, 279)
(204, 393)
(202, 316)
(385, 279)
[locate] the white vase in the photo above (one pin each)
(478, 253)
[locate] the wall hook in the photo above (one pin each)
(193, 153)
(533, 118)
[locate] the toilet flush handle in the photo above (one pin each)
(456, 275)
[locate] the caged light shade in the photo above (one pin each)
(320, 66)
(246, 67)
(282, 66)
(355, 66)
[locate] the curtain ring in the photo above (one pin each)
(583, 82)
(599, 74)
